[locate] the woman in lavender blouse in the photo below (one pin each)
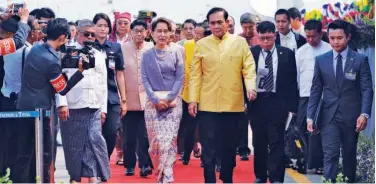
(162, 73)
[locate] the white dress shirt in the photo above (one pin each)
(305, 65)
(344, 58)
(91, 91)
(261, 66)
(289, 41)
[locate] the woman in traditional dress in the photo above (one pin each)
(162, 76)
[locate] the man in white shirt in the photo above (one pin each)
(305, 63)
(296, 21)
(82, 111)
(285, 36)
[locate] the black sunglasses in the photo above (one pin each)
(87, 34)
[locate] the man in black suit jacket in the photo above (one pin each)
(276, 98)
(344, 79)
(285, 36)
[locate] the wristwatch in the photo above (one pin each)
(123, 101)
(365, 115)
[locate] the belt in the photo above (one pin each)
(266, 94)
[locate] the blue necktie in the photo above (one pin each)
(339, 70)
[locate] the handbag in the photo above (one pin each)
(162, 95)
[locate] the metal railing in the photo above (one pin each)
(38, 115)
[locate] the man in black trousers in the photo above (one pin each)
(276, 98)
(342, 79)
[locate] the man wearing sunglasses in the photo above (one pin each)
(82, 112)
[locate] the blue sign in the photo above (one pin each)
(19, 114)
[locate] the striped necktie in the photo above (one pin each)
(269, 78)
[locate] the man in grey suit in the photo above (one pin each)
(344, 79)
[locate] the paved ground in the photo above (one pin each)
(291, 176)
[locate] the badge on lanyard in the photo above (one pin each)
(261, 83)
(350, 75)
(264, 71)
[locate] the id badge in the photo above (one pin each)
(112, 64)
(350, 76)
(261, 83)
(264, 71)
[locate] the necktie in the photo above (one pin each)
(339, 70)
(269, 78)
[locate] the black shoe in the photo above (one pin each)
(185, 162)
(244, 157)
(258, 180)
(218, 168)
(145, 171)
(129, 172)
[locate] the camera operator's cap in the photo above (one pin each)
(249, 18)
(144, 14)
(10, 25)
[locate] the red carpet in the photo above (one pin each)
(191, 173)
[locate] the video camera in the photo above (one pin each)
(73, 55)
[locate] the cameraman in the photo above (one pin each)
(42, 78)
(83, 111)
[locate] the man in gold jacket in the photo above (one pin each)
(220, 62)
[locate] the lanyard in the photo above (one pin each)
(272, 52)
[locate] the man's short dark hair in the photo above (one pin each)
(313, 25)
(265, 27)
(282, 12)
(45, 13)
(295, 13)
(190, 21)
(161, 20)
(34, 12)
(139, 22)
(71, 23)
(56, 28)
(30, 22)
(339, 24)
(105, 17)
(215, 10)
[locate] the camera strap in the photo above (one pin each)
(23, 59)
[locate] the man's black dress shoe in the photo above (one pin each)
(185, 162)
(129, 172)
(145, 171)
(244, 157)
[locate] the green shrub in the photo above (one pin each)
(365, 169)
(5, 179)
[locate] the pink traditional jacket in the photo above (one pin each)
(136, 95)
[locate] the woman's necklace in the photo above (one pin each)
(162, 55)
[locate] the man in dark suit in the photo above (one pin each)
(344, 79)
(276, 98)
(285, 36)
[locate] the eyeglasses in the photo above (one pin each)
(267, 38)
(137, 31)
(42, 21)
(122, 23)
(87, 34)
